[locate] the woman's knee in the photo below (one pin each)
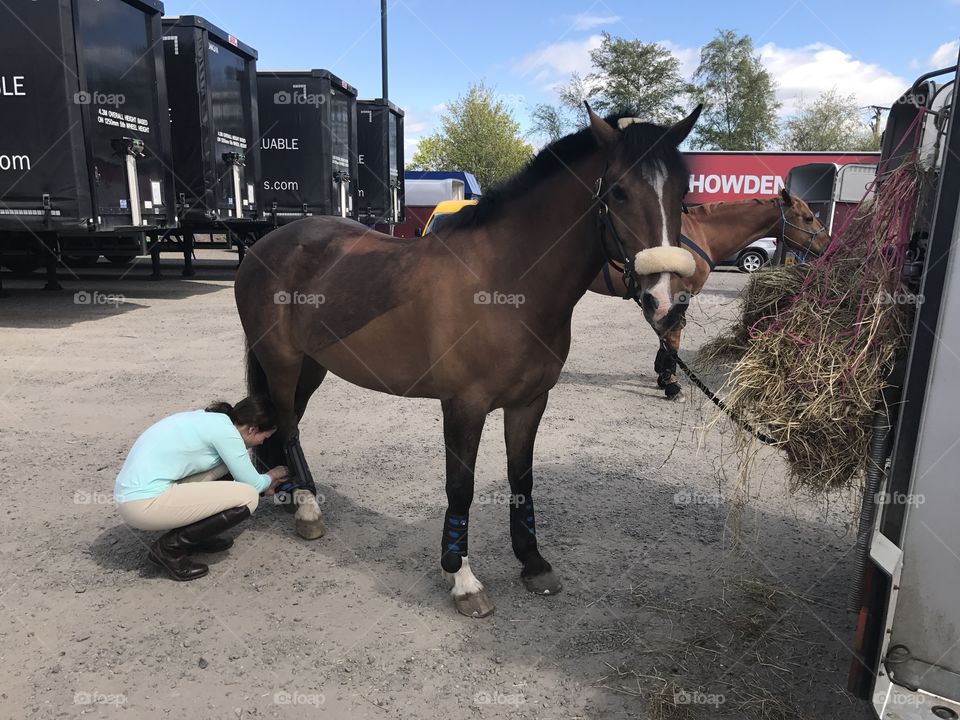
(250, 497)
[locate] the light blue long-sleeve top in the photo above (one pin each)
(180, 445)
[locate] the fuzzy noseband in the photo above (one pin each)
(653, 261)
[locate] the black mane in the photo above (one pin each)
(641, 145)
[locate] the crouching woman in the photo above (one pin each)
(169, 480)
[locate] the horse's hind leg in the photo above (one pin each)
(311, 376)
(283, 372)
(520, 432)
(462, 427)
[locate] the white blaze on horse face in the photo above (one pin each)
(464, 581)
(656, 176)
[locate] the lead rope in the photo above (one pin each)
(712, 396)
(733, 415)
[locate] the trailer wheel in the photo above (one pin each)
(120, 260)
(22, 264)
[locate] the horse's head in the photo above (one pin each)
(800, 229)
(640, 195)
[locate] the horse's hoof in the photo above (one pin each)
(308, 520)
(475, 605)
(672, 391)
(661, 383)
(543, 584)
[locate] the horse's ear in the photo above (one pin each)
(678, 133)
(787, 197)
(605, 134)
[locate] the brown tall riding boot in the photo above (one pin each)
(171, 551)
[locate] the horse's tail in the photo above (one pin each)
(256, 377)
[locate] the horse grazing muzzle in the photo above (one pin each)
(654, 261)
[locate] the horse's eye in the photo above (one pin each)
(808, 218)
(618, 193)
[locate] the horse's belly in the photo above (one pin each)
(388, 354)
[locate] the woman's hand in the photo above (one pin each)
(277, 476)
(280, 472)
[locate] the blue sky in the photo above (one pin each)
(524, 49)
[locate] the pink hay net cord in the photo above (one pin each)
(900, 191)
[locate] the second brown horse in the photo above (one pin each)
(712, 233)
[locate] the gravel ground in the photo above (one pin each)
(674, 604)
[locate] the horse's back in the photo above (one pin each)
(325, 278)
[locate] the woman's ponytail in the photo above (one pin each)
(219, 406)
(257, 411)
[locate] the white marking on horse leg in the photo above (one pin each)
(308, 519)
(464, 581)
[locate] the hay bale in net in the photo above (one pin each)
(814, 347)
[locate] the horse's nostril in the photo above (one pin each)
(649, 303)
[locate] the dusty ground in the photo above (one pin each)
(660, 606)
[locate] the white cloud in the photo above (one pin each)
(799, 72)
(586, 21)
(416, 125)
(813, 69)
(946, 54)
(689, 57)
(553, 64)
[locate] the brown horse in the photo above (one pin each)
(714, 232)
(478, 319)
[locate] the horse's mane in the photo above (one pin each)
(719, 206)
(641, 147)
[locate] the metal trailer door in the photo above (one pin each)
(919, 677)
(43, 178)
(120, 94)
(395, 166)
(340, 151)
(230, 107)
(814, 184)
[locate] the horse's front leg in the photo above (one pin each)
(462, 428)
(520, 432)
(666, 364)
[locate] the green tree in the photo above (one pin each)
(739, 96)
(831, 122)
(627, 75)
(551, 121)
(478, 134)
(631, 74)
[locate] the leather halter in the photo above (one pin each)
(624, 266)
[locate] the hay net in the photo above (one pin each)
(813, 349)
